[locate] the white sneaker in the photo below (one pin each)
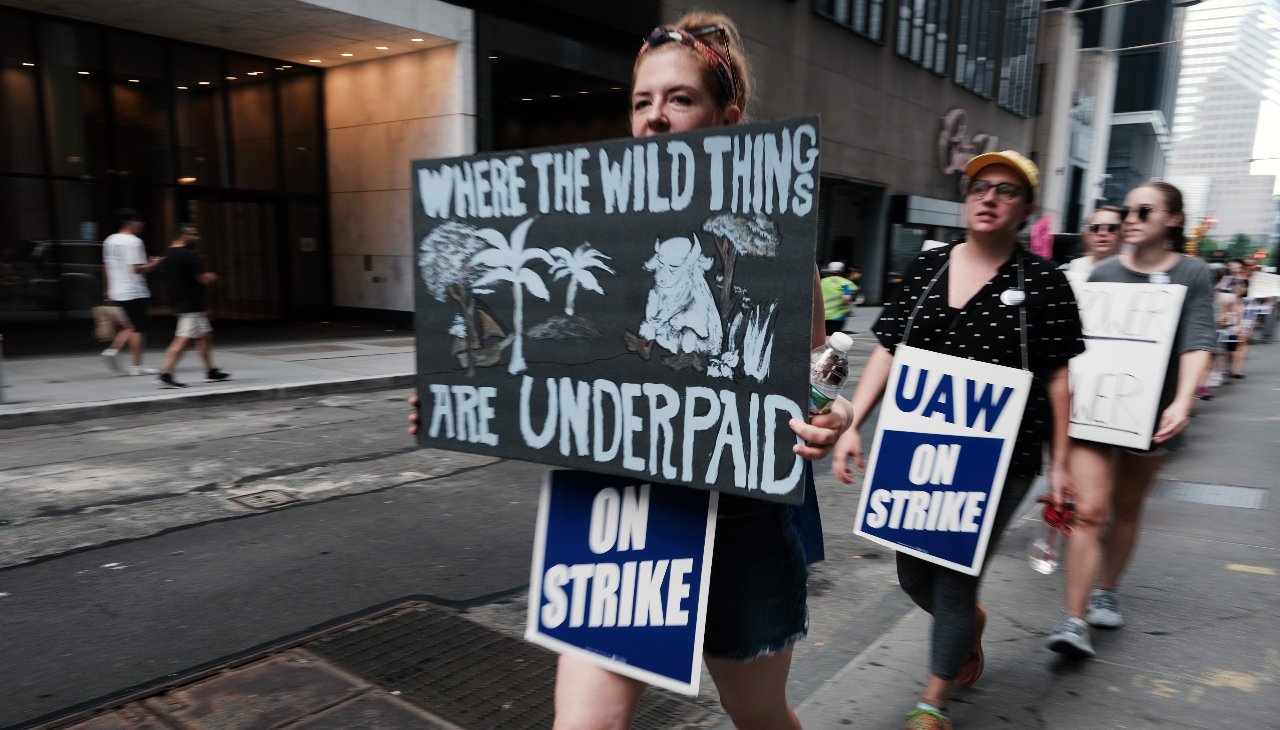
(142, 370)
(109, 359)
(1071, 637)
(1215, 380)
(1104, 610)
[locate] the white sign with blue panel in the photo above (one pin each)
(620, 575)
(942, 447)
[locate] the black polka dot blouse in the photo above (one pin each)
(986, 329)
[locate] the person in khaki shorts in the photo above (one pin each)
(187, 282)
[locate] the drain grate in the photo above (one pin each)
(1218, 495)
(265, 499)
(470, 674)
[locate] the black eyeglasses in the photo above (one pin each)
(1007, 192)
(1100, 227)
(1143, 211)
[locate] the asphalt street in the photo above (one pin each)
(124, 561)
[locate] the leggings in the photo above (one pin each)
(950, 596)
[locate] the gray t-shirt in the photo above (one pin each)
(1196, 329)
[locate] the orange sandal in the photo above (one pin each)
(972, 669)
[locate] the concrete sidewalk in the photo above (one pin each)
(40, 390)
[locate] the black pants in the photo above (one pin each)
(951, 596)
(834, 326)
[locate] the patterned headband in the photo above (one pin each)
(718, 58)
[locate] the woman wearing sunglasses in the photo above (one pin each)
(1101, 240)
(964, 300)
(694, 75)
(1107, 479)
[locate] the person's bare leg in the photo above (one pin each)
(754, 693)
(1090, 467)
(591, 698)
(174, 353)
(1134, 476)
(137, 341)
(122, 339)
(1238, 357)
(937, 691)
(204, 347)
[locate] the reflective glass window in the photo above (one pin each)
(976, 40)
(922, 32)
(864, 17)
(72, 73)
(1021, 19)
(301, 121)
(28, 277)
(198, 103)
(251, 88)
(20, 145)
(140, 103)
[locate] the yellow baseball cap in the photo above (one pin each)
(1010, 158)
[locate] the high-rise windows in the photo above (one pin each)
(1021, 18)
(922, 32)
(865, 17)
(977, 39)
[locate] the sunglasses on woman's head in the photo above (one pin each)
(1007, 192)
(1108, 227)
(667, 34)
(1143, 211)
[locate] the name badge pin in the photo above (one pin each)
(1012, 297)
(1160, 277)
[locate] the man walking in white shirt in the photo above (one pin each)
(125, 261)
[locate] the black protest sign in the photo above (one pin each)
(639, 307)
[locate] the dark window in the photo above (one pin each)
(140, 103)
(301, 121)
(1017, 70)
(976, 40)
(922, 32)
(76, 118)
(20, 148)
(251, 89)
(865, 17)
(197, 80)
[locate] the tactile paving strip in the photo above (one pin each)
(1215, 494)
(470, 674)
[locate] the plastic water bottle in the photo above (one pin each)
(1042, 552)
(828, 369)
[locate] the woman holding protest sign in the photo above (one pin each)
(694, 75)
(968, 300)
(1109, 479)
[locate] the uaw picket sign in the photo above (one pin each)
(638, 307)
(1116, 383)
(942, 447)
(620, 574)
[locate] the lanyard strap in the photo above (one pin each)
(1022, 309)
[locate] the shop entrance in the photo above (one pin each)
(850, 230)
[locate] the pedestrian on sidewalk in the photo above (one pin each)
(837, 296)
(1112, 480)
(693, 75)
(944, 291)
(1101, 239)
(124, 259)
(187, 282)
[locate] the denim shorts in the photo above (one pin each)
(756, 604)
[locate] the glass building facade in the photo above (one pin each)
(93, 119)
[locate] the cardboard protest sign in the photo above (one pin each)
(1117, 381)
(1263, 285)
(637, 307)
(942, 447)
(620, 575)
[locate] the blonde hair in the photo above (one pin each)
(737, 57)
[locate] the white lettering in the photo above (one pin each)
(564, 181)
(604, 595)
(515, 183)
(934, 511)
(534, 439)
(482, 188)
(627, 600)
(777, 171)
(579, 574)
(680, 197)
(486, 413)
(972, 509)
(615, 180)
(657, 203)
(464, 188)
(633, 527)
(741, 173)
(695, 423)
(556, 608)
(649, 593)
(603, 532)
(574, 415)
(464, 399)
(637, 184)
(879, 515)
(716, 147)
(599, 389)
(768, 483)
(917, 511)
(435, 189)
(730, 435)
(677, 590)
(900, 497)
(944, 467)
(580, 182)
(541, 161)
(922, 463)
(441, 412)
(498, 181)
(811, 154)
(803, 202)
(949, 519)
(660, 421)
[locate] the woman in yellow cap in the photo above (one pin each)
(986, 278)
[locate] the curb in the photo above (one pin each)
(66, 413)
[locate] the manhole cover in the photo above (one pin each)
(265, 499)
(1218, 495)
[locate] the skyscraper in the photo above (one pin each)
(1228, 91)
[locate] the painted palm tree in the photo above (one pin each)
(574, 265)
(507, 261)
